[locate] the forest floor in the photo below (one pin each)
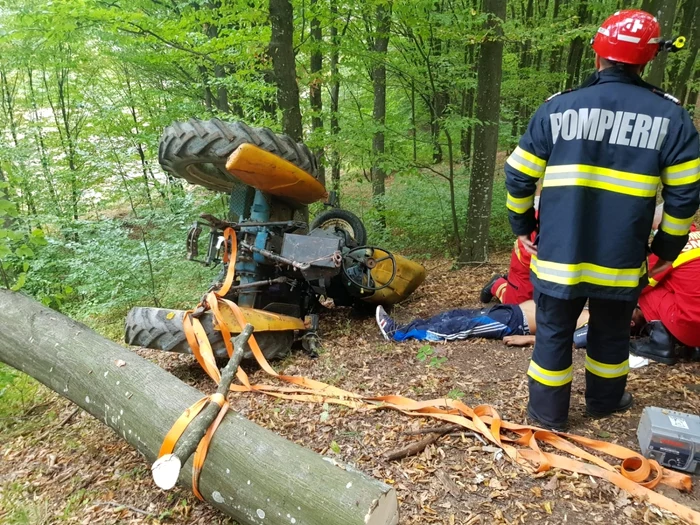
(59, 465)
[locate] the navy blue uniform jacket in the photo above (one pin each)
(602, 151)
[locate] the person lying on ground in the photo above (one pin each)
(497, 322)
(514, 324)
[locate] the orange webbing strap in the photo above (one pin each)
(632, 475)
(201, 453)
(176, 431)
(180, 425)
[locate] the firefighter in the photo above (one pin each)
(669, 309)
(601, 151)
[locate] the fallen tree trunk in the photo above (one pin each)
(250, 474)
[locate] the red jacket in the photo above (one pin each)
(673, 297)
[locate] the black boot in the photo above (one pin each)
(690, 353)
(538, 422)
(659, 346)
(695, 354)
(626, 401)
(486, 294)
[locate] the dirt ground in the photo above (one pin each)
(73, 469)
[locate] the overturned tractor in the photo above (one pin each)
(283, 265)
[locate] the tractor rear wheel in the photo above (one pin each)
(162, 329)
(197, 150)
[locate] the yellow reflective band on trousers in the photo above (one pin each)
(550, 377)
(680, 174)
(675, 226)
(572, 274)
(607, 371)
(527, 163)
(520, 204)
(634, 184)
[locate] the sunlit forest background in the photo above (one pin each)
(393, 97)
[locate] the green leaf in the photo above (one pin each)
(424, 352)
(335, 447)
(7, 208)
(21, 280)
(24, 251)
(37, 237)
(4, 251)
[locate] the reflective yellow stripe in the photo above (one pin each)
(572, 274)
(607, 371)
(550, 377)
(527, 163)
(683, 258)
(684, 173)
(686, 256)
(675, 226)
(520, 204)
(530, 157)
(635, 184)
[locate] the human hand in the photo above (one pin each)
(519, 340)
(660, 267)
(528, 244)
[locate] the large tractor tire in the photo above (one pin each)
(197, 150)
(162, 329)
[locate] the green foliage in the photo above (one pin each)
(455, 394)
(90, 224)
(427, 351)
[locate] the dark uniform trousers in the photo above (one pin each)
(607, 360)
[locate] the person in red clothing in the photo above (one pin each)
(667, 318)
(669, 308)
(515, 286)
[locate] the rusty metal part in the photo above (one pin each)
(274, 257)
(256, 284)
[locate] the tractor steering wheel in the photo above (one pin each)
(358, 264)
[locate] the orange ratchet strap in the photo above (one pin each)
(631, 475)
(176, 431)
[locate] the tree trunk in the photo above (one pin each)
(468, 107)
(283, 63)
(315, 89)
(680, 86)
(335, 94)
(414, 128)
(41, 146)
(686, 14)
(694, 94)
(525, 62)
(381, 44)
(573, 64)
(5, 219)
(8, 105)
(665, 12)
(250, 473)
(207, 89)
(649, 5)
(488, 101)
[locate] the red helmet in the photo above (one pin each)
(631, 37)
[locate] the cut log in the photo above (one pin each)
(250, 474)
